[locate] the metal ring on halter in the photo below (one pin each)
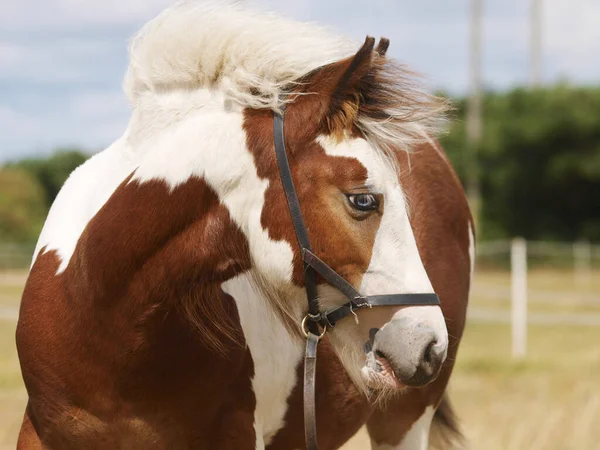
(305, 331)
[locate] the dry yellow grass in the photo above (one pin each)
(12, 393)
(548, 401)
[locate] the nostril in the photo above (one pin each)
(429, 352)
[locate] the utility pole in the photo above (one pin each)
(535, 76)
(474, 109)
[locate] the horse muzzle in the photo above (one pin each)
(405, 353)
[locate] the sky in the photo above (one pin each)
(62, 61)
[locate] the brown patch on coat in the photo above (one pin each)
(120, 348)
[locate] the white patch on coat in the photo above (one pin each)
(210, 143)
(86, 190)
(396, 265)
(275, 354)
(417, 437)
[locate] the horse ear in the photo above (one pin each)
(382, 46)
(343, 88)
(345, 96)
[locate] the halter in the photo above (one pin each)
(313, 265)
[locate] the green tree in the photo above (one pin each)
(539, 162)
(52, 172)
(22, 206)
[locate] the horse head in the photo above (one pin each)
(345, 171)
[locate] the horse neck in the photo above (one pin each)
(184, 221)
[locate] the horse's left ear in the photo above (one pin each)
(342, 88)
(347, 77)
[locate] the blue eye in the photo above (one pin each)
(364, 202)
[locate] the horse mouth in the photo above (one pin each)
(378, 373)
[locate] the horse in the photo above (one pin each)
(165, 304)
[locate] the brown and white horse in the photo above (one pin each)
(164, 303)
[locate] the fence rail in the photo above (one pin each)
(15, 256)
(519, 256)
(570, 319)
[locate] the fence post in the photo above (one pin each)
(582, 256)
(518, 261)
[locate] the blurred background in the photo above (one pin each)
(524, 76)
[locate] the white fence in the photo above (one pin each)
(579, 259)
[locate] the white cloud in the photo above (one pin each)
(91, 119)
(54, 61)
(15, 122)
(97, 106)
(16, 126)
(56, 14)
(572, 38)
(9, 55)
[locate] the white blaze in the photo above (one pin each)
(396, 265)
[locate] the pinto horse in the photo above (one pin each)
(164, 302)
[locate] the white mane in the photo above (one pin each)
(247, 54)
(251, 57)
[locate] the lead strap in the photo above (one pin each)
(310, 369)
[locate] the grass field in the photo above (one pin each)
(548, 401)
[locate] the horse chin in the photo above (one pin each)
(378, 375)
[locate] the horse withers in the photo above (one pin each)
(165, 300)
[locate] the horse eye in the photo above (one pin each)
(364, 202)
